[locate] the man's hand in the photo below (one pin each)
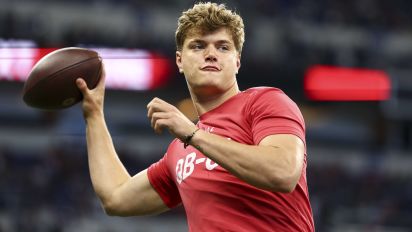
(92, 99)
(164, 115)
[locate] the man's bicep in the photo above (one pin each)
(138, 197)
(293, 150)
(289, 141)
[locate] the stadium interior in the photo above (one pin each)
(359, 152)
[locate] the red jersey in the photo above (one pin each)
(216, 200)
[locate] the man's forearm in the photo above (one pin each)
(106, 170)
(273, 168)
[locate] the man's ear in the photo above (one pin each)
(179, 61)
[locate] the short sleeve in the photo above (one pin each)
(162, 182)
(273, 112)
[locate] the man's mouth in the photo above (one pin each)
(210, 68)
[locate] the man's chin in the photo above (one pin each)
(207, 89)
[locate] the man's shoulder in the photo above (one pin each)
(267, 96)
(262, 90)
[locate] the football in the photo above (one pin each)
(51, 84)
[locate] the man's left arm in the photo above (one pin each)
(274, 164)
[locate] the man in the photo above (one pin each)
(242, 167)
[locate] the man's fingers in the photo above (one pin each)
(154, 120)
(159, 105)
(163, 115)
(158, 129)
(102, 80)
(150, 110)
(81, 84)
(158, 100)
(153, 101)
(155, 106)
(159, 125)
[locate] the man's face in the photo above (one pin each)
(209, 61)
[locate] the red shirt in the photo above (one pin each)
(216, 200)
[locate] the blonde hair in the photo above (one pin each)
(208, 17)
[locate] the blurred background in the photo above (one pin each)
(347, 64)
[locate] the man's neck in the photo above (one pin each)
(206, 102)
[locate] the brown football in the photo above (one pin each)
(51, 84)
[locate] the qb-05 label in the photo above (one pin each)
(185, 166)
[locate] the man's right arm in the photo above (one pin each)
(119, 193)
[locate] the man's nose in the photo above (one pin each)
(210, 54)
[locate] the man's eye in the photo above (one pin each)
(224, 48)
(196, 46)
